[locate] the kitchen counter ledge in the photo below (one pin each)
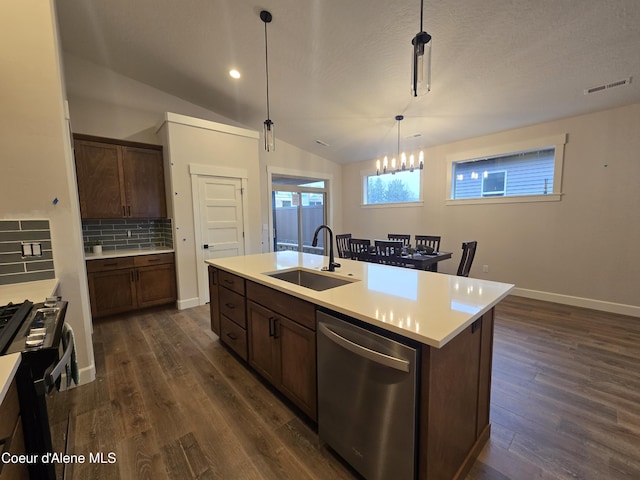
(126, 253)
(429, 307)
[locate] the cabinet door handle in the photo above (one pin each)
(230, 305)
(232, 336)
(272, 327)
(138, 275)
(132, 277)
(129, 207)
(228, 282)
(113, 264)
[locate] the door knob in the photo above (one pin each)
(205, 246)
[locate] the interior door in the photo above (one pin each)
(221, 222)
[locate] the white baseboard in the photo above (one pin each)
(189, 303)
(620, 308)
(85, 375)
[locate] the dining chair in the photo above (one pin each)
(400, 237)
(342, 244)
(432, 241)
(389, 252)
(359, 248)
(468, 252)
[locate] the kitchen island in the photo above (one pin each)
(270, 323)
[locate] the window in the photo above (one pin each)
(401, 187)
(493, 183)
(507, 174)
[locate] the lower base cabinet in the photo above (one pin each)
(12, 436)
(284, 352)
(282, 347)
(122, 284)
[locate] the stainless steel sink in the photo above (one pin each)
(315, 281)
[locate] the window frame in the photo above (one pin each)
(556, 141)
(364, 177)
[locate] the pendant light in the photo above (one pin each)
(421, 60)
(269, 135)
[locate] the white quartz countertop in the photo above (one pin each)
(429, 307)
(8, 368)
(126, 253)
(36, 291)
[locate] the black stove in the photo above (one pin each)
(12, 317)
(31, 328)
(35, 330)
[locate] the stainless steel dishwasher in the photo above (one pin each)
(367, 387)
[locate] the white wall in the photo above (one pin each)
(581, 250)
(189, 142)
(36, 160)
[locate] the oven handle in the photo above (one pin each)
(52, 373)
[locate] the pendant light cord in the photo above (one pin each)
(266, 62)
(421, 14)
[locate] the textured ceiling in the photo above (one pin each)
(339, 69)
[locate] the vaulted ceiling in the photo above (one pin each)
(339, 70)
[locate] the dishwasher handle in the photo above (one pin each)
(377, 357)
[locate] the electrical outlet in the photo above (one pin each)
(485, 268)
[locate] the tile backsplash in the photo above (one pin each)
(127, 234)
(16, 268)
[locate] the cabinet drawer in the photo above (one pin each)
(153, 259)
(9, 411)
(231, 281)
(232, 306)
(298, 310)
(234, 336)
(109, 264)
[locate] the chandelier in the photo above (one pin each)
(401, 165)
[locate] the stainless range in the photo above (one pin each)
(36, 331)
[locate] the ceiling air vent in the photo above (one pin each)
(607, 86)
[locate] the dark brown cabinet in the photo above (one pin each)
(12, 436)
(232, 312)
(214, 303)
(122, 284)
(118, 179)
(281, 349)
(273, 331)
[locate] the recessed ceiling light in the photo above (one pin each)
(234, 73)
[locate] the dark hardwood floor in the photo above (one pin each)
(173, 403)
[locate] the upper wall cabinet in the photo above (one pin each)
(119, 179)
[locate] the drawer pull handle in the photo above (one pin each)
(228, 282)
(230, 305)
(232, 336)
(113, 264)
(154, 260)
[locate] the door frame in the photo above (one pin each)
(327, 177)
(197, 172)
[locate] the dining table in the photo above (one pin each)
(420, 261)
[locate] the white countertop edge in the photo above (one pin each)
(8, 367)
(126, 253)
(36, 291)
(313, 297)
